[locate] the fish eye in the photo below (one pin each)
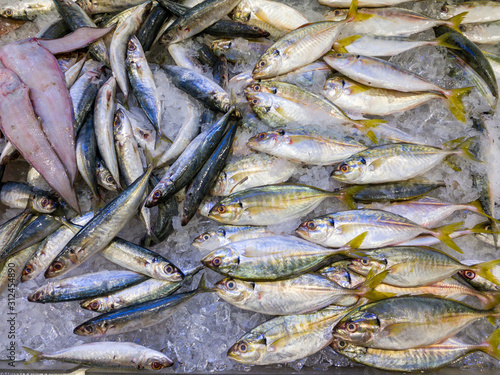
(468, 274)
(487, 227)
(262, 63)
(132, 47)
(444, 9)
(88, 329)
(9, 12)
(156, 365)
(337, 12)
(57, 266)
(169, 269)
(231, 285)
(37, 296)
(342, 344)
(206, 237)
(94, 305)
(217, 261)
(27, 270)
(109, 180)
(44, 202)
(255, 101)
(221, 209)
(311, 225)
(365, 262)
(256, 87)
(261, 136)
(462, 28)
(352, 327)
(255, 28)
(280, 132)
(338, 55)
(157, 194)
(344, 168)
(243, 347)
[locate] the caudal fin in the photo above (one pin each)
(490, 345)
(367, 289)
(454, 22)
(463, 149)
(477, 208)
(484, 270)
(36, 355)
(456, 106)
(443, 235)
(340, 45)
(353, 14)
(366, 127)
(443, 42)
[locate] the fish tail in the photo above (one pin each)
(355, 243)
(367, 289)
(340, 45)
(202, 285)
(442, 41)
(484, 270)
(366, 127)
(353, 14)
(490, 345)
(454, 22)
(443, 235)
(478, 208)
(454, 97)
(463, 149)
(346, 196)
(36, 355)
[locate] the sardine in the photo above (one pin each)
(214, 239)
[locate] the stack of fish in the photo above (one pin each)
(328, 93)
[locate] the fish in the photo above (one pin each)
(19, 195)
(11, 269)
(251, 171)
(220, 72)
(26, 10)
(107, 354)
(477, 11)
(418, 359)
(287, 338)
(104, 177)
(104, 113)
(355, 97)
(16, 110)
(379, 45)
(199, 87)
(152, 26)
(197, 19)
(375, 72)
(361, 3)
(211, 240)
(393, 21)
(100, 231)
(200, 185)
(85, 286)
(86, 155)
(383, 229)
(138, 316)
(305, 146)
(189, 162)
(484, 33)
(55, 30)
(118, 45)
(269, 204)
(395, 162)
(71, 75)
(401, 323)
(271, 258)
(272, 16)
(429, 211)
(416, 266)
(11, 228)
(146, 290)
(298, 295)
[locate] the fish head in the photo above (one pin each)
(265, 87)
(119, 122)
(91, 329)
(42, 294)
(358, 328)
(227, 211)
(155, 361)
(167, 271)
(339, 274)
(98, 304)
(45, 204)
(223, 260)
(444, 12)
(350, 170)
(340, 60)
(316, 230)
(269, 64)
(134, 48)
(210, 240)
(334, 87)
(261, 103)
(336, 15)
(233, 290)
(268, 141)
(248, 349)
(28, 270)
(157, 195)
(342, 346)
(104, 177)
(60, 265)
(220, 184)
(364, 265)
(174, 34)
